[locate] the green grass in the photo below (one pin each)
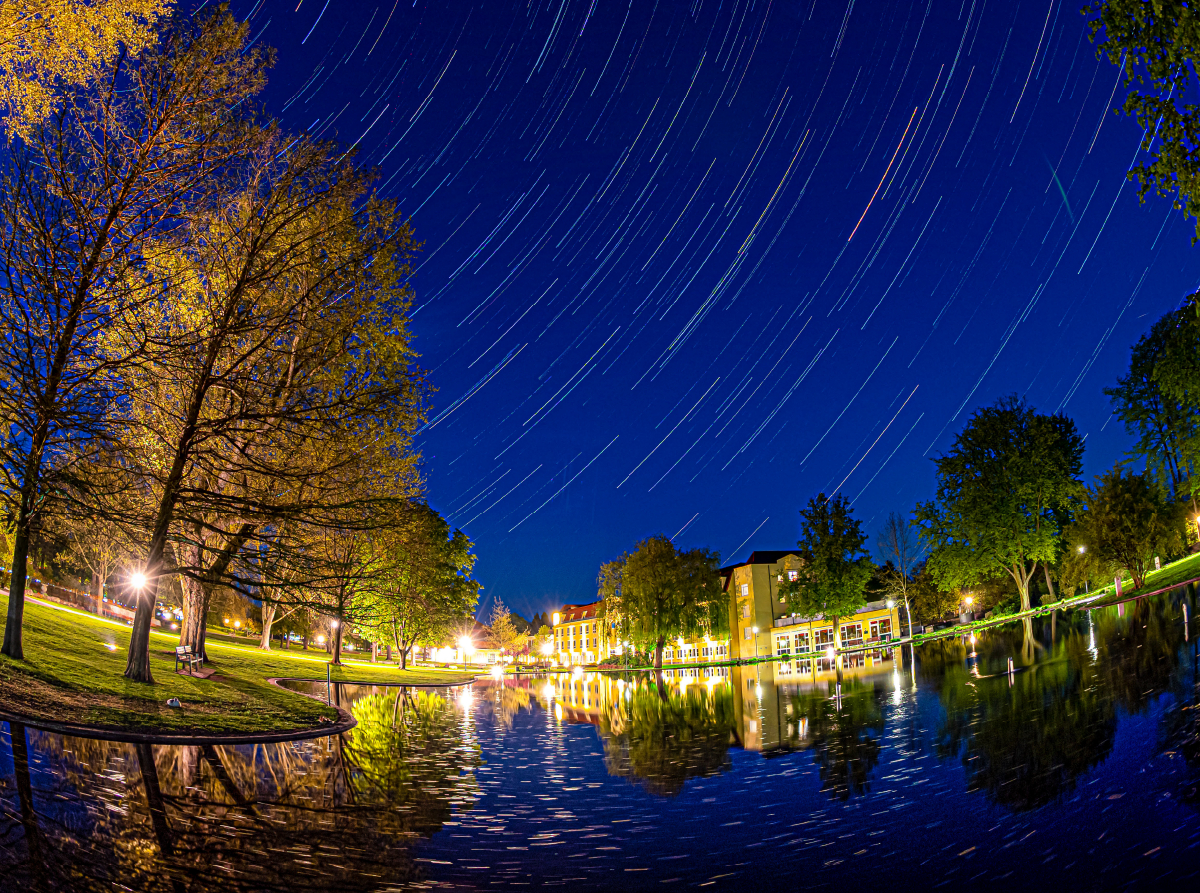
(1172, 575)
(74, 662)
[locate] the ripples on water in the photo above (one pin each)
(1080, 769)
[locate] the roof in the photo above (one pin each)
(571, 613)
(762, 556)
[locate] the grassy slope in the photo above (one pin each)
(74, 661)
(1185, 569)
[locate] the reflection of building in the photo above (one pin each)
(762, 625)
(764, 701)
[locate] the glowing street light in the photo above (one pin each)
(1082, 549)
(137, 581)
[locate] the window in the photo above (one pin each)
(748, 634)
(746, 610)
(745, 589)
(852, 634)
(801, 643)
(823, 636)
(783, 645)
(793, 576)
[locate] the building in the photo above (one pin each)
(578, 636)
(762, 625)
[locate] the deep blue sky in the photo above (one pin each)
(639, 298)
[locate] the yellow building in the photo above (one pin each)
(579, 637)
(762, 625)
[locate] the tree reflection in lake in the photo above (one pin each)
(327, 813)
(1026, 740)
(843, 733)
(659, 737)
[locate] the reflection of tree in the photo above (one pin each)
(845, 739)
(660, 742)
(407, 754)
(329, 813)
(1140, 651)
(1026, 744)
(505, 701)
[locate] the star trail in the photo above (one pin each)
(688, 263)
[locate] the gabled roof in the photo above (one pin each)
(572, 613)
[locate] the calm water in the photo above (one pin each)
(1080, 771)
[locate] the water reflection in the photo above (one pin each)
(660, 738)
(335, 812)
(431, 780)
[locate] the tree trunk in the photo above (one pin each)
(13, 646)
(268, 617)
(304, 642)
(195, 614)
(1049, 584)
(154, 797)
(404, 658)
(97, 593)
(374, 652)
(33, 834)
(658, 650)
(337, 643)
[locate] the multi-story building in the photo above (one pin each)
(578, 635)
(761, 624)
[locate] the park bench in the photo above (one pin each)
(189, 658)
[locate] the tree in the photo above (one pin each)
(901, 551)
(1004, 495)
(834, 569)
(1157, 47)
(277, 370)
(502, 632)
(929, 602)
(1165, 420)
(665, 593)
(49, 45)
(424, 588)
(1126, 522)
(91, 196)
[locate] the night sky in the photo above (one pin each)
(686, 264)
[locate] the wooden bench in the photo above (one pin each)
(189, 658)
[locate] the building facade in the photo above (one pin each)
(579, 637)
(762, 625)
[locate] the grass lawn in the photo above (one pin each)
(74, 661)
(1173, 574)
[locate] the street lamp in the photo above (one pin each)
(137, 581)
(754, 629)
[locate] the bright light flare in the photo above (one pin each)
(137, 581)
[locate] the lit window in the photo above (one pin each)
(745, 589)
(745, 611)
(748, 633)
(793, 576)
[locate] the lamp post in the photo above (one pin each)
(754, 629)
(1083, 549)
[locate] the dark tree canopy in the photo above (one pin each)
(835, 569)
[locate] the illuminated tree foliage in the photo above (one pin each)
(1004, 495)
(664, 593)
(94, 196)
(1126, 521)
(48, 46)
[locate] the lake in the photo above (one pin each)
(1078, 770)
